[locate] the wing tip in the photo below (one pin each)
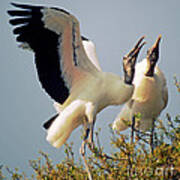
(13, 4)
(18, 5)
(25, 6)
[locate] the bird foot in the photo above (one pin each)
(90, 144)
(82, 149)
(83, 152)
(90, 177)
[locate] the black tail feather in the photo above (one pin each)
(48, 123)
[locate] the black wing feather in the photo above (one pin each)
(19, 13)
(44, 43)
(17, 21)
(25, 6)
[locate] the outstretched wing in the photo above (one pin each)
(54, 36)
(91, 52)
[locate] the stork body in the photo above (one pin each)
(87, 103)
(69, 71)
(150, 95)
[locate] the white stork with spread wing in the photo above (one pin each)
(150, 94)
(69, 74)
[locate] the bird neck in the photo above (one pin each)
(150, 68)
(128, 77)
(120, 92)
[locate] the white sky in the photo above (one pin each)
(114, 26)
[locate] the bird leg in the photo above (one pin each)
(90, 117)
(85, 136)
(152, 57)
(88, 136)
(88, 124)
(133, 129)
(88, 139)
(86, 165)
(152, 136)
(129, 61)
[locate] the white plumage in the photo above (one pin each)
(69, 71)
(91, 53)
(150, 95)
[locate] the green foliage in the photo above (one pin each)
(140, 155)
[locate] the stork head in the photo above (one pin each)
(152, 57)
(129, 61)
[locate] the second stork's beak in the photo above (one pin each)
(129, 61)
(152, 57)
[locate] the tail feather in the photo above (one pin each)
(48, 123)
(58, 137)
(62, 125)
(124, 116)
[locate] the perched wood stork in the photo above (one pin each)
(150, 94)
(68, 70)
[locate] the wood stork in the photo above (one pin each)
(68, 70)
(150, 94)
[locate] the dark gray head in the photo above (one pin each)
(129, 61)
(152, 57)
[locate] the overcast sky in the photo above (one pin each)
(114, 26)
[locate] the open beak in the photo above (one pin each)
(135, 51)
(156, 44)
(129, 61)
(153, 56)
